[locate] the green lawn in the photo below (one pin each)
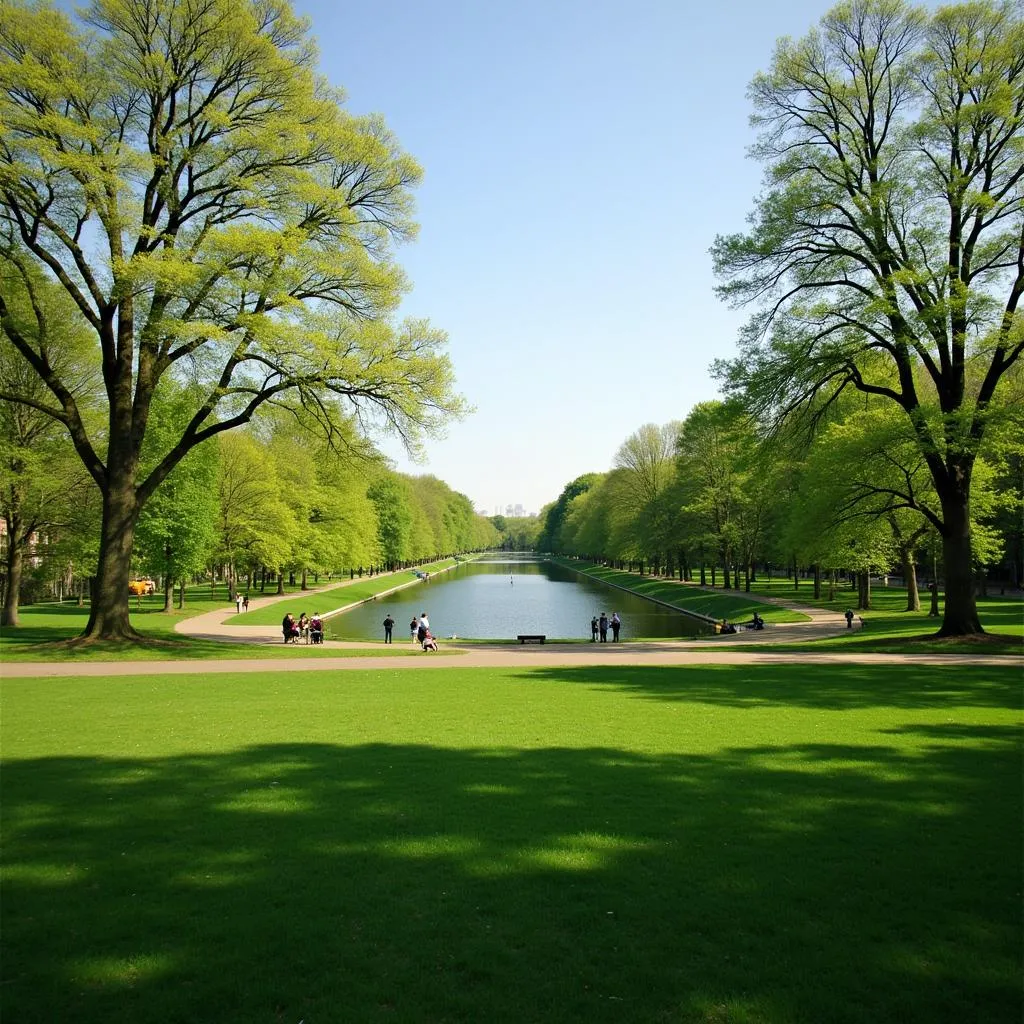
(888, 626)
(46, 628)
(353, 591)
(729, 604)
(779, 845)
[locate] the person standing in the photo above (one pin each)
(245, 603)
(389, 624)
(593, 630)
(238, 604)
(424, 621)
(602, 625)
(414, 628)
(616, 626)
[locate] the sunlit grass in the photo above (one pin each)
(888, 626)
(359, 589)
(772, 844)
(46, 630)
(728, 604)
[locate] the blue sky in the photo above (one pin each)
(579, 159)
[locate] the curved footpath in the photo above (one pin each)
(720, 650)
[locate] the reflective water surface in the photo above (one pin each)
(499, 596)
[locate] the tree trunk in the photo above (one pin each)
(960, 612)
(305, 585)
(817, 582)
(280, 582)
(181, 592)
(864, 589)
(910, 578)
(168, 594)
(15, 564)
(108, 616)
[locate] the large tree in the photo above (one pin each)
(200, 193)
(886, 252)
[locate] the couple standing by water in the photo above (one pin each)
(599, 626)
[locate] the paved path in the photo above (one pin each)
(719, 650)
(548, 656)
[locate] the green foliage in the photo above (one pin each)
(885, 252)
(554, 516)
(217, 217)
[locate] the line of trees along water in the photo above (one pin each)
(711, 499)
(253, 507)
(883, 267)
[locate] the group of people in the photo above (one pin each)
(311, 630)
(242, 603)
(419, 631)
(599, 627)
(725, 626)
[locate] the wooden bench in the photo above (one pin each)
(531, 638)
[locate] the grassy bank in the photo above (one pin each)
(726, 604)
(887, 626)
(353, 591)
(777, 845)
(46, 629)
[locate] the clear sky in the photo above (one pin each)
(580, 156)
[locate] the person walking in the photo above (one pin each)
(414, 628)
(593, 630)
(616, 626)
(245, 603)
(389, 624)
(849, 618)
(602, 625)
(238, 604)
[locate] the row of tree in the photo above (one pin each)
(884, 259)
(194, 231)
(270, 501)
(713, 495)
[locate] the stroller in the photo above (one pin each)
(316, 630)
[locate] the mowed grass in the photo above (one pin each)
(734, 605)
(890, 628)
(715, 844)
(359, 589)
(46, 629)
(887, 626)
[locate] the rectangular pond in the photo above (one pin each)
(498, 597)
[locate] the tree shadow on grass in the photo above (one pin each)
(833, 687)
(822, 882)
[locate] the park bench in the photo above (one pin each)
(531, 638)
